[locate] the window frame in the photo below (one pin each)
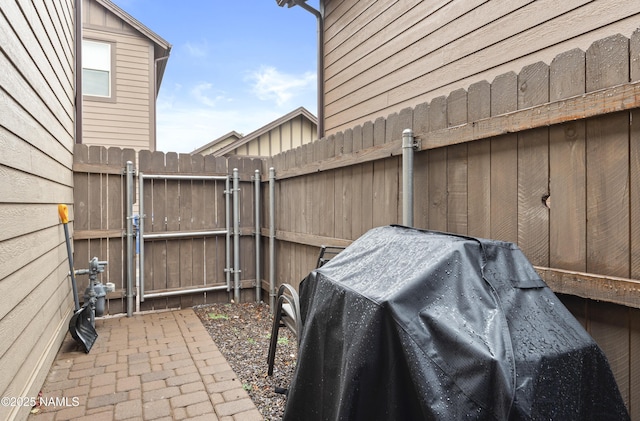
(112, 72)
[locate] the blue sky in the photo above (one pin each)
(234, 65)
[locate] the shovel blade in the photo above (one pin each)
(81, 329)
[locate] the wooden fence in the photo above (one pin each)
(548, 158)
(169, 206)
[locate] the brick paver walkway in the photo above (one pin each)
(157, 366)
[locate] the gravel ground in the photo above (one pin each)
(242, 333)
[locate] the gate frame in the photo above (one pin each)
(228, 267)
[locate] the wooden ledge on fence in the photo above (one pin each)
(595, 287)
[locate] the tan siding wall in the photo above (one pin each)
(126, 122)
(381, 57)
(289, 135)
(36, 143)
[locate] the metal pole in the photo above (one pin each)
(186, 291)
(272, 238)
(256, 183)
(185, 234)
(141, 236)
(407, 177)
(130, 248)
(236, 237)
(227, 270)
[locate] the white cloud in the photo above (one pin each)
(270, 84)
(197, 50)
(204, 94)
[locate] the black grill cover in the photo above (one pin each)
(416, 325)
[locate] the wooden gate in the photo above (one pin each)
(184, 205)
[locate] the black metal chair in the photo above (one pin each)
(287, 307)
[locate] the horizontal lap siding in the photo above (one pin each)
(127, 122)
(36, 139)
(385, 56)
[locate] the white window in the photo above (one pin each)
(96, 68)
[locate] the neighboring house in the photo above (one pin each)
(219, 143)
(288, 132)
(381, 57)
(123, 63)
(37, 118)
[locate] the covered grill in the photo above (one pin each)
(416, 325)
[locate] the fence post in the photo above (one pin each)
(256, 182)
(272, 238)
(407, 177)
(236, 237)
(130, 248)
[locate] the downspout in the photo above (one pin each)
(155, 99)
(318, 14)
(78, 69)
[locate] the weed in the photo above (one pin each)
(216, 316)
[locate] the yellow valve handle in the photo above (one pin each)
(63, 211)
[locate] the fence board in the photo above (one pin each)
(116, 257)
(567, 169)
(533, 169)
(159, 220)
(504, 164)
(186, 245)
(172, 189)
(479, 164)
(608, 165)
(457, 167)
(438, 169)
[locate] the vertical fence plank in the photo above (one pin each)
(357, 207)
(607, 64)
(379, 208)
(347, 192)
(116, 191)
(338, 190)
(567, 169)
(533, 169)
(144, 166)
(457, 167)
(159, 220)
(438, 168)
(97, 199)
(479, 164)
(504, 163)
(420, 126)
(212, 200)
(186, 244)
(367, 180)
(608, 165)
(172, 189)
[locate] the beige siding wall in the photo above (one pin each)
(36, 143)
(126, 120)
(381, 57)
(289, 135)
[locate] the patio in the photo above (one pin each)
(153, 366)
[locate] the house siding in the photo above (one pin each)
(36, 139)
(381, 57)
(289, 135)
(126, 121)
